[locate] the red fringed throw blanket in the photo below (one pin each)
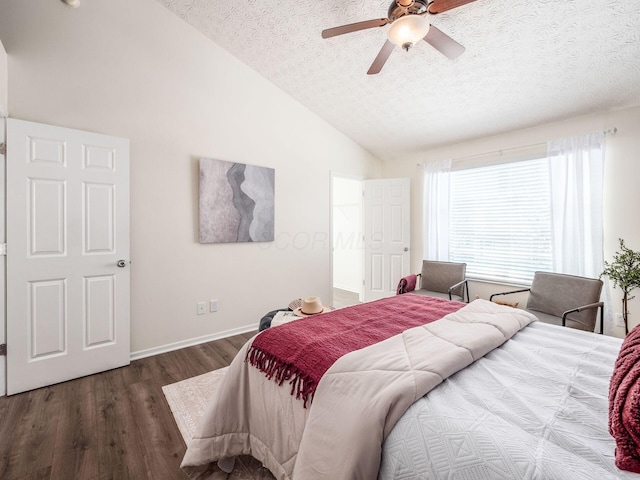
(303, 350)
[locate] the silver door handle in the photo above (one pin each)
(121, 263)
(406, 249)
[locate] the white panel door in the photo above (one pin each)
(3, 363)
(67, 254)
(386, 236)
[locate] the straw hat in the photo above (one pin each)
(310, 306)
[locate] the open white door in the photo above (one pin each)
(3, 263)
(386, 236)
(67, 254)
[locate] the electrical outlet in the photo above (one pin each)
(213, 305)
(202, 308)
(619, 320)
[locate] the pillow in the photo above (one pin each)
(624, 403)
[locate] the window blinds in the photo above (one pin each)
(500, 220)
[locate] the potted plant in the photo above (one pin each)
(624, 271)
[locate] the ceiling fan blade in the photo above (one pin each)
(382, 58)
(443, 43)
(439, 6)
(354, 27)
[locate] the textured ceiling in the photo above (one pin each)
(526, 62)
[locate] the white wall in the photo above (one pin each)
(347, 234)
(621, 195)
(133, 69)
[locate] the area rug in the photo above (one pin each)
(188, 400)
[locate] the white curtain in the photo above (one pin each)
(576, 170)
(576, 167)
(436, 210)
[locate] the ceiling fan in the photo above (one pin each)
(408, 26)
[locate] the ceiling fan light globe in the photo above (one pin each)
(408, 29)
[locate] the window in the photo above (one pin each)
(500, 220)
(506, 218)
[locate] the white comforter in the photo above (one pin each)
(536, 408)
(355, 406)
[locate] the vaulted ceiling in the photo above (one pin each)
(527, 62)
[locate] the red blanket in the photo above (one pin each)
(303, 350)
(624, 403)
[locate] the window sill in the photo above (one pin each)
(499, 282)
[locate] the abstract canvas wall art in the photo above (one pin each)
(236, 202)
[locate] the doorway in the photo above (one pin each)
(346, 198)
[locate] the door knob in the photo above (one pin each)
(121, 263)
(406, 249)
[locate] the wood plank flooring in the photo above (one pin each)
(113, 425)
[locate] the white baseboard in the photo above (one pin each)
(149, 352)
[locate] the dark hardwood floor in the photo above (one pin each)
(113, 425)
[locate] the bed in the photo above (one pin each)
(485, 392)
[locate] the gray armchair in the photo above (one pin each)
(565, 300)
(443, 280)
